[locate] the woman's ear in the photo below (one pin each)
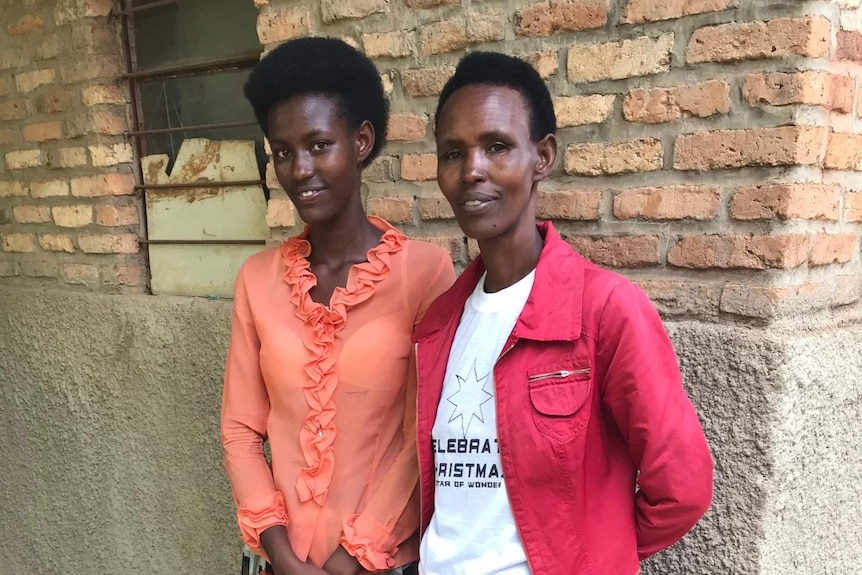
(547, 150)
(365, 139)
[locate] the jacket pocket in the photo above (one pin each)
(559, 400)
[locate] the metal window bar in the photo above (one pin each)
(137, 136)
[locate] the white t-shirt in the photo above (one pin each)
(472, 531)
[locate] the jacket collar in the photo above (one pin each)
(553, 311)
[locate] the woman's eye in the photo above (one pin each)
(281, 154)
(452, 155)
(319, 146)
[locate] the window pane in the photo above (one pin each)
(193, 30)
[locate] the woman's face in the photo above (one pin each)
(317, 157)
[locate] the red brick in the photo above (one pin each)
(485, 26)
(844, 152)
(656, 105)
(12, 58)
(546, 63)
(57, 243)
(12, 188)
(91, 68)
(280, 214)
(640, 11)
(406, 127)
(382, 169)
(131, 276)
(109, 244)
(72, 216)
(49, 189)
(20, 243)
(397, 210)
(67, 157)
(568, 205)
(618, 60)
(426, 4)
(581, 110)
(789, 145)
(103, 185)
(81, 274)
(811, 88)
(14, 110)
(50, 47)
(436, 208)
(829, 249)
(29, 81)
(106, 155)
(426, 81)
(849, 46)
(276, 24)
(108, 123)
(760, 252)
(617, 158)
(419, 167)
(38, 268)
(451, 243)
(389, 44)
(445, 36)
(43, 131)
(116, 215)
(698, 252)
(778, 38)
(618, 252)
(751, 252)
(332, 10)
(103, 94)
(786, 202)
(55, 102)
(686, 298)
(25, 25)
(852, 207)
(32, 214)
(23, 159)
(547, 18)
(668, 203)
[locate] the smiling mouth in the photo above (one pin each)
(308, 194)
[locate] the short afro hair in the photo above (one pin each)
(495, 69)
(327, 66)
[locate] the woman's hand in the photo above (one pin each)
(342, 563)
(281, 556)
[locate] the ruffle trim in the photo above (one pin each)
(364, 549)
(253, 520)
(321, 325)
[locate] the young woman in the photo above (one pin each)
(319, 355)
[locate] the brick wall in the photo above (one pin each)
(68, 210)
(708, 149)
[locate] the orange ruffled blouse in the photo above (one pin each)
(333, 390)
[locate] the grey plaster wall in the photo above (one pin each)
(109, 435)
(813, 519)
(111, 459)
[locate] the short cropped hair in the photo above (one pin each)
(495, 69)
(325, 66)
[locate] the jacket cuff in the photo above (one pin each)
(369, 543)
(259, 514)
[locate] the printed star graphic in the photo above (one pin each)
(466, 401)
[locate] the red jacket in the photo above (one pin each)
(590, 404)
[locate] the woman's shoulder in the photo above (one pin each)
(263, 262)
